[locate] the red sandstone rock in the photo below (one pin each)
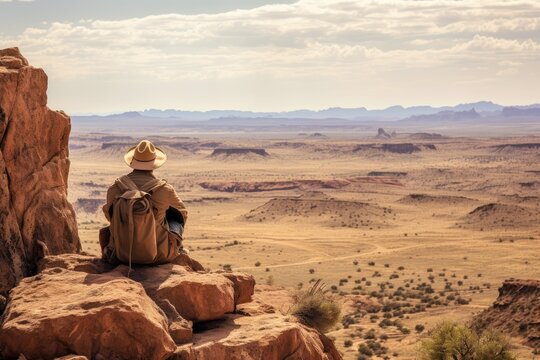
(516, 312)
(185, 260)
(61, 312)
(268, 337)
(196, 296)
(35, 216)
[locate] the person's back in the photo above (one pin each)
(147, 217)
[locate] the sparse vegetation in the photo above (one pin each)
(456, 341)
(316, 308)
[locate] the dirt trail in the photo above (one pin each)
(377, 251)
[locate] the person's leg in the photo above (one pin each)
(176, 227)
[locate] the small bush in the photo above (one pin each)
(363, 349)
(456, 341)
(316, 308)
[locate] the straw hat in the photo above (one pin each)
(145, 156)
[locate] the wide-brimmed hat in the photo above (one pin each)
(145, 156)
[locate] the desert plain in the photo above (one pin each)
(407, 229)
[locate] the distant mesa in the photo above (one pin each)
(74, 146)
(328, 211)
(315, 135)
(89, 206)
(235, 152)
(426, 136)
(517, 147)
(403, 148)
(443, 200)
(382, 134)
(92, 184)
(302, 184)
(516, 312)
(289, 144)
(498, 215)
(387, 173)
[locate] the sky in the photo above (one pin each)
(106, 56)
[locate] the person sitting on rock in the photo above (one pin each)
(146, 216)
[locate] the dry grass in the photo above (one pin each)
(316, 308)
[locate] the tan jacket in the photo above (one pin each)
(162, 199)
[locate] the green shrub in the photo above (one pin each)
(450, 341)
(316, 308)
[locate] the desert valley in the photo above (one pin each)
(407, 228)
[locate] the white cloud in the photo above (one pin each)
(388, 42)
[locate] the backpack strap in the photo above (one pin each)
(152, 185)
(125, 184)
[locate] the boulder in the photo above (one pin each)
(186, 261)
(196, 296)
(60, 312)
(35, 216)
(269, 337)
(244, 286)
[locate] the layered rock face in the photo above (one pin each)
(516, 312)
(35, 215)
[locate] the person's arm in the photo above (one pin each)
(177, 204)
(112, 193)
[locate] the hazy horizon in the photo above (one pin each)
(75, 113)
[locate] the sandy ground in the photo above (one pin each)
(475, 223)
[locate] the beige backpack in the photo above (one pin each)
(133, 225)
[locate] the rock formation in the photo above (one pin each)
(174, 311)
(35, 216)
(516, 312)
(382, 134)
(401, 148)
(228, 152)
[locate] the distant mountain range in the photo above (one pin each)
(479, 113)
(392, 113)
